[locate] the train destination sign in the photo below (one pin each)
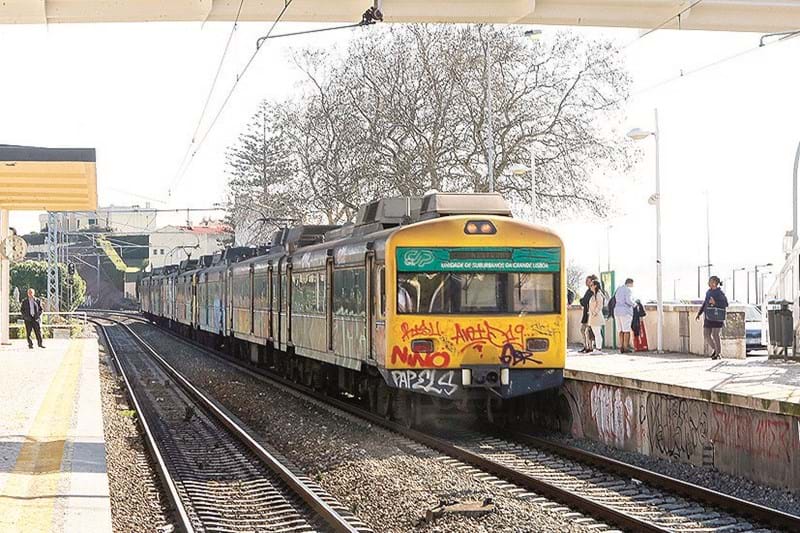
(478, 259)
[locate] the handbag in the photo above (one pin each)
(715, 314)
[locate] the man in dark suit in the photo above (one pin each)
(31, 309)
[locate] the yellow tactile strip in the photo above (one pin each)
(28, 498)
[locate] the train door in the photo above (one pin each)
(281, 286)
(369, 301)
(270, 304)
(289, 302)
(252, 299)
(229, 300)
(329, 297)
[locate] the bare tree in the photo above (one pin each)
(402, 111)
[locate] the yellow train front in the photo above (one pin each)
(476, 307)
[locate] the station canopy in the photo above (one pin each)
(730, 15)
(47, 179)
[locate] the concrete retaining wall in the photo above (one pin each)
(682, 333)
(758, 445)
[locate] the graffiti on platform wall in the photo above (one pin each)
(760, 435)
(431, 381)
(678, 428)
(612, 413)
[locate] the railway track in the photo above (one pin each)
(625, 496)
(217, 476)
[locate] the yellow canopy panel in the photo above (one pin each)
(47, 179)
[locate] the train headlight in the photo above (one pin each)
(480, 227)
(537, 344)
(466, 377)
(505, 376)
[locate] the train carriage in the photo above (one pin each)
(446, 297)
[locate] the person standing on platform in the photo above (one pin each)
(713, 311)
(586, 329)
(596, 318)
(31, 309)
(623, 313)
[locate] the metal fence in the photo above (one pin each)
(54, 321)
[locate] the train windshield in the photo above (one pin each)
(476, 292)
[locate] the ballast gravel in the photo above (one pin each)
(136, 498)
(783, 500)
(388, 481)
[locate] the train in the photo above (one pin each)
(443, 300)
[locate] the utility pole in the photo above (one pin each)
(708, 235)
(794, 196)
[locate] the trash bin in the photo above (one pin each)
(781, 324)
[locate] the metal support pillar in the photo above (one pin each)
(5, 282)
(52, 261)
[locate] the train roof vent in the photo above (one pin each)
(442, 204)
(307, 235)
(388, 212)
(340, 233)
(169, 269)
(235, 254)
(205, 260)
(187, 264)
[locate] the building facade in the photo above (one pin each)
(116, 219)
(172, 244)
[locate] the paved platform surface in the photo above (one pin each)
(754, 383)
(52, 451)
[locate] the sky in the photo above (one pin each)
(135, 92)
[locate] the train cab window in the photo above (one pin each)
(476, 292)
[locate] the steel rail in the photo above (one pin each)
(743, 508)
(328, 514)
(760, 513)
(585, 505)
(166, 478)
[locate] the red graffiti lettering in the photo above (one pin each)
(482, 334)
(422, 329)
(765, 436)
(419, 360)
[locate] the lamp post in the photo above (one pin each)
(699, 281)
(733, 280)
(638, 135)
(675, 289)
(756, 279)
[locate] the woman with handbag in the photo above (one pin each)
(596, 318)
(713, 311)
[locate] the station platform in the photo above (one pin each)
(739, 416)
(52, 450)
(754, 383)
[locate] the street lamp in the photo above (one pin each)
(756, 277)
(733, 278)
(699, 283)
(639, 134)
(522, 169)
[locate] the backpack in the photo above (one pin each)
(608, 311)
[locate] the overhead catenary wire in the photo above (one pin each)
(369, 17)
(677, 15)
(212, 87)
(198, 144)
(686, 73)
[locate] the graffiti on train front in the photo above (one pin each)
(430, 381)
